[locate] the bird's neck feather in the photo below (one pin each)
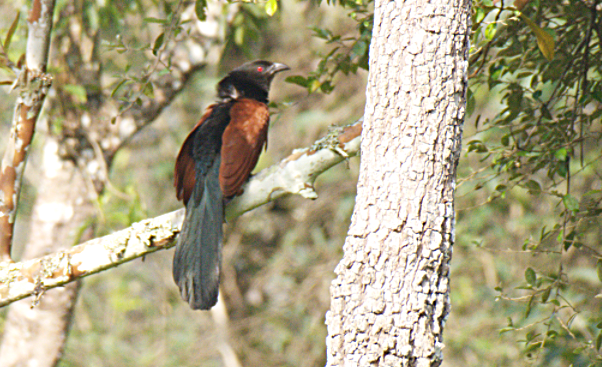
(236, 86)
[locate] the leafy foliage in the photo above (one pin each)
(539, 143)
(348, 53)
(543, 59)
(246, 29)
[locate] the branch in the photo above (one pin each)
(293, 175)
(33, 85)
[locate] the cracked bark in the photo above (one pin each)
(390, 297)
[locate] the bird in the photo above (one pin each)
(214, 162)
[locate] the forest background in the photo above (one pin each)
(527, 263)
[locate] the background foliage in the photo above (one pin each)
(527, 264)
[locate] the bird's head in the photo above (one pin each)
(251, 80)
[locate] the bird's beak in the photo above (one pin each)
(277, 67)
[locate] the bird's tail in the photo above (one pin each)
(197, 260)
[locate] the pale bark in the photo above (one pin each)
(390, 297)
(32, 85)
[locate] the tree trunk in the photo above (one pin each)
(74, 170)
(37, 334)
(390, 298)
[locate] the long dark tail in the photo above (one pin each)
(197, 261)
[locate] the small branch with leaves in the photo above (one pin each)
(33, 84)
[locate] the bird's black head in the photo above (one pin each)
(251, 80)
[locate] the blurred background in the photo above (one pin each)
(524, 290)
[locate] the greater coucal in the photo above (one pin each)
(214, 162)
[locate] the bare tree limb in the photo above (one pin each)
(293, 175)
(33, 84)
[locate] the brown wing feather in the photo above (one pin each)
(242, 142)
(185, 175)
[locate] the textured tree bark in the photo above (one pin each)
(390, 297)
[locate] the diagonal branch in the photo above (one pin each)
(293, 175)
(33, 84)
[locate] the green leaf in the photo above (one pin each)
(545, 295)
(470, 105)
(569, 240)
(528, 309)
(149, 91)
(158, 43)
(11, 32)
(597, 94)
(561, 169)
(593, 192)
(270, 7)
(552, 334)
(533, 346)
(545, 41)
(477, 146)
(322, 33)
(490, 31)
(154, 20)
(359, 48)
(570, 203)
(297, 79)
(505, 140)
(479, 15)
(326, 87)
(239, 35)
(561, 154)
(200, 8)
(599, 341)
(119, 85)
(546, 112)
(76, 91)
(533, 186)
(313, 86)
(599, 271)
(167, 9)
(530, 276)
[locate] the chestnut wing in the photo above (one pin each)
(242, 142)
(185, 174)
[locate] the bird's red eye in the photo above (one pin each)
(260, 69)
